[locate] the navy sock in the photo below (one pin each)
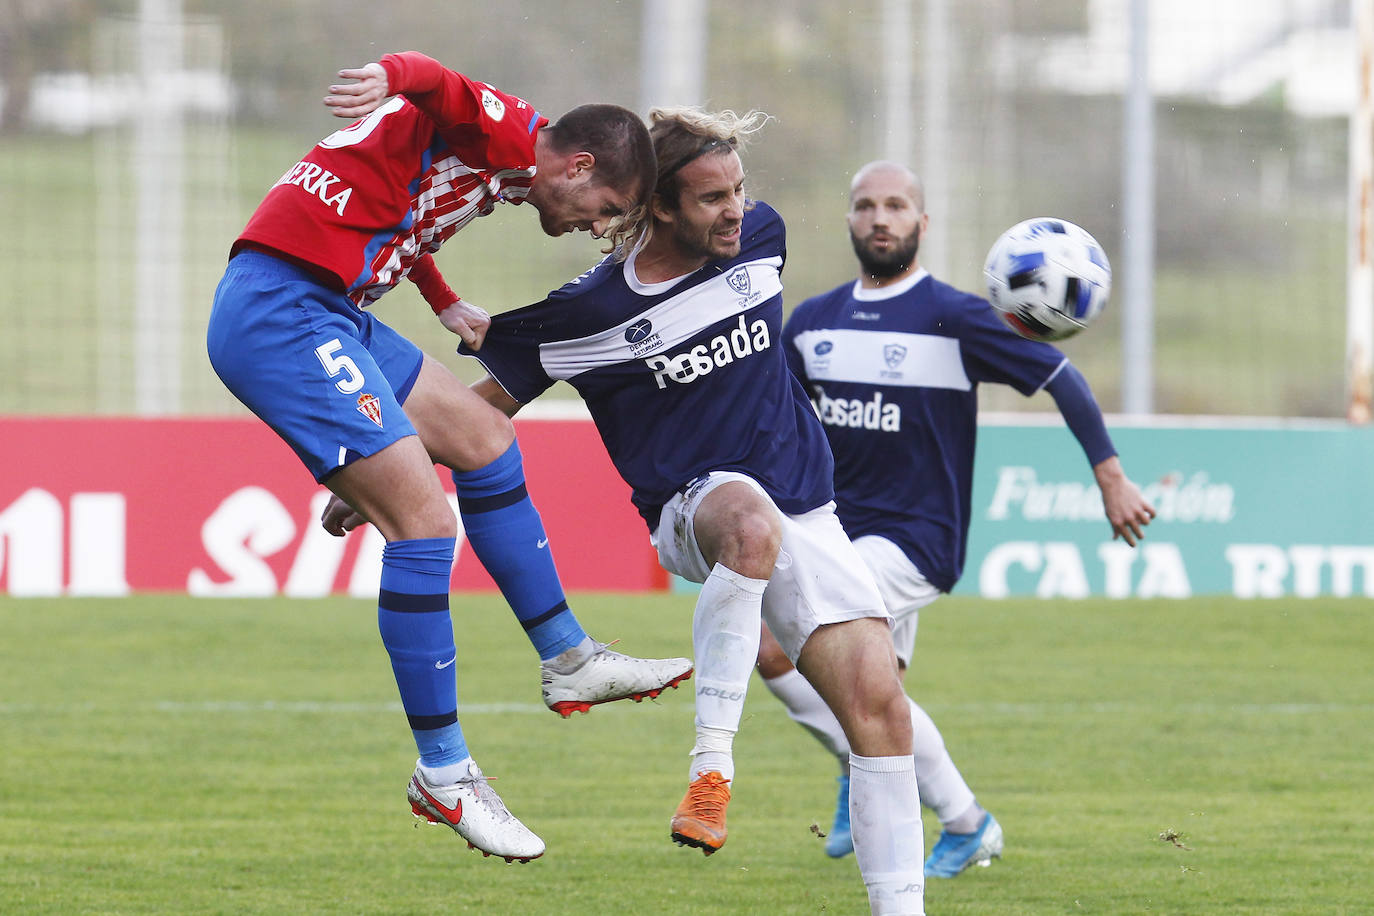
(506, 534)
(413, 617)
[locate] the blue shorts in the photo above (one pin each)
(327, 376)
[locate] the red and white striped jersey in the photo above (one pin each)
(370, 200)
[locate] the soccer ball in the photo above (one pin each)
(1047, 279)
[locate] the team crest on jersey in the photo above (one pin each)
(739, 280)
(494, 107)
(370, 407)
(893, 354)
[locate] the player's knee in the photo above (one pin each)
(437, 521)
(486, 434)
(752, 544)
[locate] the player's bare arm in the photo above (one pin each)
(1128, 511)
(353, 100)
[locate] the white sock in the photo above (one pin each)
(569, 660)
(885, 816)
(449, 773)
(725, 638)
(808, 710)
(942, 786)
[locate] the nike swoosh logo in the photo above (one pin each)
(442, 665)
(541, 543)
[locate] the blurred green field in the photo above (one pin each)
(173, 755)
(1230, 338)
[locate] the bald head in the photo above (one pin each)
(889, 174)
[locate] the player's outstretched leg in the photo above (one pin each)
(725, 630)
(506, 533)
(447, 787)
(470, 806)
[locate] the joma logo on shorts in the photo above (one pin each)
(721, 350)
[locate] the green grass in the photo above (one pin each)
(166, 754)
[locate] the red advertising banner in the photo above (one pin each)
(222, 507)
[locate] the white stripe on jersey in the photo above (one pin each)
(883, 358)
(671, 322)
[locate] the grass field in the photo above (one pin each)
(171, 755)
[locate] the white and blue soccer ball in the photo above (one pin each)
(1047, 278)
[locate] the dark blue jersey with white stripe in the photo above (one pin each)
(894, 373)
(681, 377)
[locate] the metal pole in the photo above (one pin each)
(672, 53)
(936, 142)
(1359, 328)
(160, 192)
(1138, 224)
(897, 53)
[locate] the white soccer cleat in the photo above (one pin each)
(607, 676)
(472, 808)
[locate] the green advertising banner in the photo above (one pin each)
(1254, 511)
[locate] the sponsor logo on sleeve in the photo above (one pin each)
(494, 107)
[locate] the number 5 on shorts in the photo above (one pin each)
(337, 364)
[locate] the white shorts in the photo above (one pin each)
(905, 591)
(818, 578)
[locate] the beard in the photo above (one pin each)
(882, 265)
(703, 244)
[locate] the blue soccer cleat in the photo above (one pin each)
(955, 852)
(839, 842)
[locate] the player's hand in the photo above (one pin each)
(467, 321)
(339, 517)
(1128, 512)
(353, 100)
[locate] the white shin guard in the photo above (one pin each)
(725, 638)
(885, 817)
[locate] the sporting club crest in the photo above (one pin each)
(893, 355)
(370, 407)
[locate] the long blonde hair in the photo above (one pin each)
(682, 134)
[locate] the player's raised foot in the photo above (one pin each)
(839, 842)
(476, 812)
(700, 820)
(955, 852)
(607, 676)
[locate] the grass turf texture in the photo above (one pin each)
(166, 754)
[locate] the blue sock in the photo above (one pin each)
(413, 617)
(506, 534)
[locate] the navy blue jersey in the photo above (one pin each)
(681, 377)
(894, 374)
